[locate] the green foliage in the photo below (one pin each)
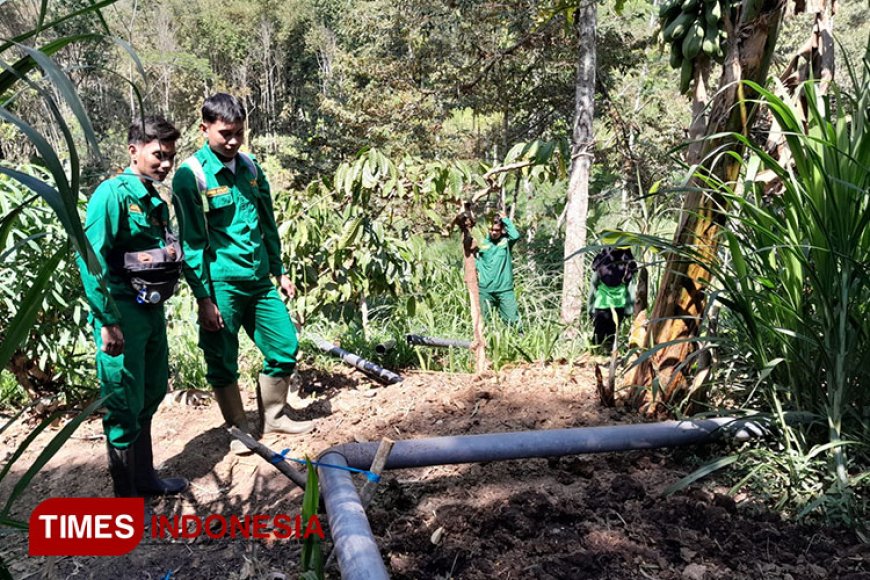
(36, 257)
(798, 286)
(367, 234)
(793, 284)
(311, 561)
(58, 186)
(343, 252)
(442, 311)
(186, 363)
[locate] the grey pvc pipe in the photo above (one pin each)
(384, 347)
(546, 443)
(355, 546)
(376, 371)
(419, 340)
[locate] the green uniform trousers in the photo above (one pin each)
(506, 302)
(256, 307)
(133, 382)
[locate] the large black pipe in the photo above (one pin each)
(546, 443)
(377, 372)
(355, 546)
(419, 340)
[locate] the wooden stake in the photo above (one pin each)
(368, 490)
(465, 221)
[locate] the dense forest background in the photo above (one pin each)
(373, 119)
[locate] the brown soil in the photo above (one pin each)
(596, 516)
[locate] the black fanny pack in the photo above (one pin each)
(154, 274)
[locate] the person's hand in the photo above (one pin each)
(287, 287)
(209, 316)
(112, 339)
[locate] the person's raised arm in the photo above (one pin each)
(513, 234)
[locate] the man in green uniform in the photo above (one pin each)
(495, 271)
(231, 245)
(127, 215)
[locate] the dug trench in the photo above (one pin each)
(592, 516)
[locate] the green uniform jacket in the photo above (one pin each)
(238, 240)
(124, 215)
(495, 271)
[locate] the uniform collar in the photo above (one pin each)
(134, 183)
(213, 164)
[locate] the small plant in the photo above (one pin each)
(311, 563)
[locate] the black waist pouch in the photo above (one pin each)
(154, 274)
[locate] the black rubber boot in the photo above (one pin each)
(146, 478)
(121, 468)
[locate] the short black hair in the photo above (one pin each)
(223, 107)
(151, 128)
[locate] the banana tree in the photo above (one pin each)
(751, 28)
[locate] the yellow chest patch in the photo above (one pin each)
(253, 183)
(134, 208)
(217, 191)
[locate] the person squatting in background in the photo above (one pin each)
(610, 297)
(232, 250)
(127, 225)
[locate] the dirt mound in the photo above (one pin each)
(595, 516)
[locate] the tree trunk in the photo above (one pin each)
(681, 299)
(364, 311)
(577, 207)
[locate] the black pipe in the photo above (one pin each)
(419, 340)
(355, 545)
(545, 443)
(384, 347)
(375, 371)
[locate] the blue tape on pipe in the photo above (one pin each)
(279, 457)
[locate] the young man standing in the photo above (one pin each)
(128, 223)
(495, 270)
(232, 250)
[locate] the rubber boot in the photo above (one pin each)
(273, 396)
(122, 469)
(146, 478)
(230, 402)
(294, 401)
